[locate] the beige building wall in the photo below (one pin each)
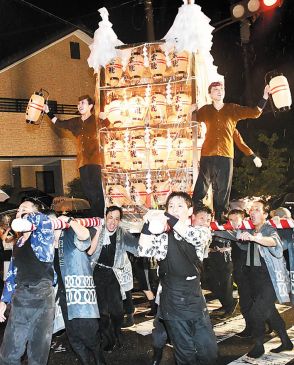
(28, 175)
(52, 69)
(69, 172)
(21, 139)
(5, 172)
(66, 79)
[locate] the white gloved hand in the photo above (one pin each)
(154, 214)
(102, 115)
(157, 226)
(21, 225)
(193, 107)
(157, 221)
(257, 161)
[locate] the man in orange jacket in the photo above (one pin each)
(216, 163)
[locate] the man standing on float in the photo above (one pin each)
(217, 153)
(89, 160)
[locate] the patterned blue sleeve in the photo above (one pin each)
(42, 239)
(9, 285)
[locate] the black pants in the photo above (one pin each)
(109, 302)
(219, 275)
(261, 301)
(145, 271)
(218, 171)
(240, 278)
(159, 332)
(92, 186)
(83, 334)
(186, 318)
(30, 325)
(193, 340)
(128, 304)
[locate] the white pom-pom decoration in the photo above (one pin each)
(106, 40)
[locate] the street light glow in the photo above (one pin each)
(238, 11)
(253, 5)
(270, 2)
(250, 8)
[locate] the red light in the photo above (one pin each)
(271, 3)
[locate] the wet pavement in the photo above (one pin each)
(137, 348)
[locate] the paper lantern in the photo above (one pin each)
(181, 104)
(179, 63)
(176, 119)
(138, 151)
(138, 193)
(157, 108)
(114, 154)
(157, 65)
(158, 147)
(136, 67)
(113, 72)
(113, 112)
(117, 195)
(137, 110)
(182, 184)
(160, 191)
(35, 107)
(280, 92)
(181, 153)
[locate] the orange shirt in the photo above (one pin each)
(88, 149)
(221, 125)
(242, 146)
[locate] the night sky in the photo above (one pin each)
(271, 46)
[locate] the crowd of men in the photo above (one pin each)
(92, 274)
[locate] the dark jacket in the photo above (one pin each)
(86, 132)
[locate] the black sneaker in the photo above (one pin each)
(288, 346)
(128, 321)
(232, 310)
(151, 313)
(218, 310)
(246, 333)
(256, 352)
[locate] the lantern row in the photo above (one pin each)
(145, 190)
(148, 106)
(157, 65)
(141, 150)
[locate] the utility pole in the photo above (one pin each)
(149, 20)
(245, 39)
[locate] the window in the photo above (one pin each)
(75, 50)
(45, 181)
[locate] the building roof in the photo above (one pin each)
(23, 54)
